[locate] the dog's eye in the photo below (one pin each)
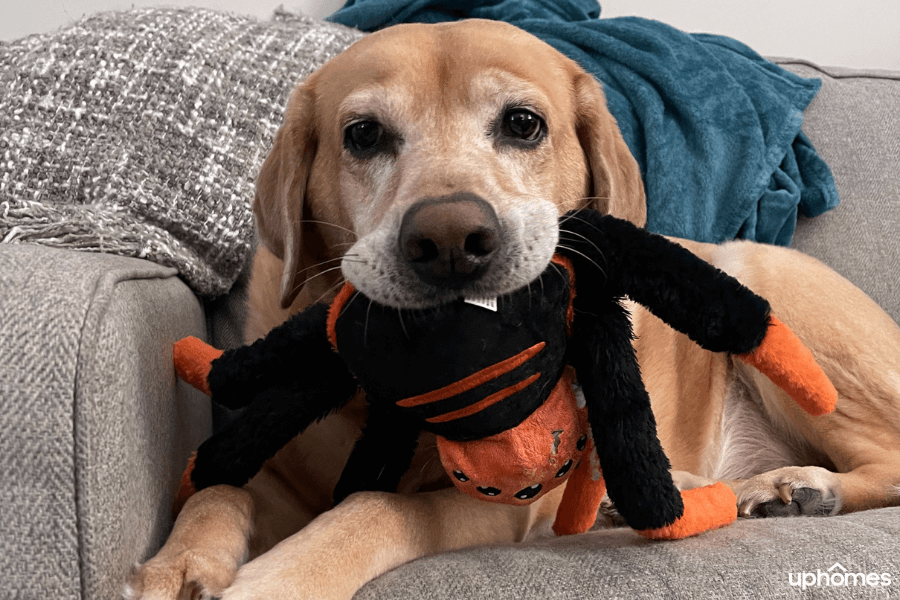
(523, 125)
(363, 136)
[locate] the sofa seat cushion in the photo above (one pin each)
(758, 558)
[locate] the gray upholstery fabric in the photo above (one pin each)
(854, 123)
(140, 133)
(752, 559)
(94, 430)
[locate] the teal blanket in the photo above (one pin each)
(714, 126)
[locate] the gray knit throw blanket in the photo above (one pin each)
(140, 133)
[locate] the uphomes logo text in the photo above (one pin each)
(837, 576)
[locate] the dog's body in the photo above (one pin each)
(446, 116)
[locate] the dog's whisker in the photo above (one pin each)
(574, 214)
(350, 231)
(588, 223)
(324, 262)
(339, 244)
(586, 257)
(427, 462)
(402, 324)
(587, 239)
(330, 290)
(366, 325)
(559, 271)
(566, 217)
(588, 200)
(308, 279)
(350, 301)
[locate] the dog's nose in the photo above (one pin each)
(448, 241)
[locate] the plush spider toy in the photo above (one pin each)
(542, 388)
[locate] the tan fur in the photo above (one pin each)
(313, 203)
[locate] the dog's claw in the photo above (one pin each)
(786, 492)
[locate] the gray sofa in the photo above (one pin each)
(95, 429)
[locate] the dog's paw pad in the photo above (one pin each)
(803, 502)
(790, 492)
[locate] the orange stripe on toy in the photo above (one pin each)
(186, 488)
(790, 365)
(474, 380)
(705, 508)
(482, 404)
(334, 311)
(193, 360)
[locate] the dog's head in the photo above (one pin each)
(448, 153)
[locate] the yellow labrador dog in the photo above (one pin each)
(498, 134)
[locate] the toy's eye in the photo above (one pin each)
(460, 476)
(582, 442)
(565, 468)
(529, 492)
(488, 491)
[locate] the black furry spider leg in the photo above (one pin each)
(634, 465)
(709, 306)
(298, 350)
(273, 419)
(382, 455)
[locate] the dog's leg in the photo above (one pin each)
(847, 460)
(204, 551)
(792, 491)
(372, 532)
(859, 444)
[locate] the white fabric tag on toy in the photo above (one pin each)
(488, 303)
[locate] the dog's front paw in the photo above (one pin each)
(187, 575)
(790, 491)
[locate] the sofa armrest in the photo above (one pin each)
(854, 124)
(95, 429)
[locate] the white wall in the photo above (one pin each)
(861, 33)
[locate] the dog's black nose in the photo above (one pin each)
(448, 241)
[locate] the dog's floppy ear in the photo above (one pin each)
(617, 188)
(281, 190)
